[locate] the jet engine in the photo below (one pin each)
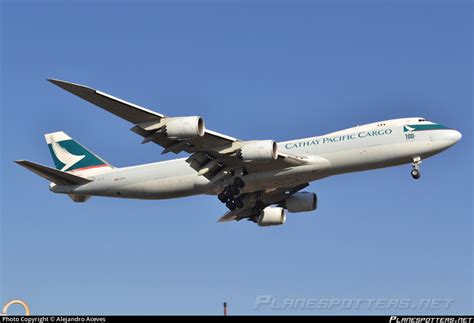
(301, 202)
(185, 127)
(261, 150)
(272, 216)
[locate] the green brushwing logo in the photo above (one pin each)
(423, 127)
(69, 155)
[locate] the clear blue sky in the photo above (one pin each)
(254, 71)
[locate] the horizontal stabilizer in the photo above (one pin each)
(53, 175)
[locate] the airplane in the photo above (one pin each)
(257, 180)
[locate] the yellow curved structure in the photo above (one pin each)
(19, 302)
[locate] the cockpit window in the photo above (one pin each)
(421, 120)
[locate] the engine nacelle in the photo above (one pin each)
(301, 202)
(272, 216)
(185, 127)
(261, 150)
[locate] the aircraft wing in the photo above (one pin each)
(211, 153)
(140, 117)
(268, 197)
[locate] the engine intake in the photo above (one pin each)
(301, 202)
(262, 150)
(272, 216)
(185, 128)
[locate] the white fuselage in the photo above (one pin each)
(371, 146)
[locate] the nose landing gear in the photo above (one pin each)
(415, 172)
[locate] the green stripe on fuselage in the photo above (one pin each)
(422, 127)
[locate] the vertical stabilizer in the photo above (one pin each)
(70, 156)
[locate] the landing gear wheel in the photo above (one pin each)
(238, 182)
(234, 190)
(239, 203)
(229, 194)
(222, 197)
(230, 205)
(415, 173)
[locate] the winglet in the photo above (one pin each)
(58, 82)
(71, 87)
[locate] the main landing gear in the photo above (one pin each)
(230, 195)
(415, 172)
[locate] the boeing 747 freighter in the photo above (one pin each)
(258, 180)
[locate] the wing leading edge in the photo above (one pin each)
(144, 119)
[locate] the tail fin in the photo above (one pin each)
(70, 156)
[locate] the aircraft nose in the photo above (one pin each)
(455, 136)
